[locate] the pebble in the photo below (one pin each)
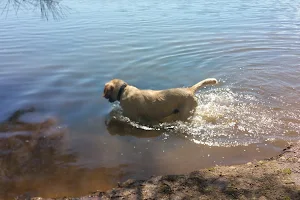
(282, 158)
(262, 198)
(261, 162)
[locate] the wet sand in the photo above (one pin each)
(274, 178)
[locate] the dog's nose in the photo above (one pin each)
(106, 96)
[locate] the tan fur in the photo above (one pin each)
(155, 105)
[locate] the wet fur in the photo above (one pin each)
(155, 105)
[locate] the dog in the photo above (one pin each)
(157, 106)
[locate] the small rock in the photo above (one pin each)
(282, 158)
(249, 163)
(262, 198)
(242, 197)
(261, 162)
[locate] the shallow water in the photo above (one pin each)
(60, 67)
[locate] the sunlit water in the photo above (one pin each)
(60, 67)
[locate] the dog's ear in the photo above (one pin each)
(108, 90)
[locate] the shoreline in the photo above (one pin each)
(274, 178)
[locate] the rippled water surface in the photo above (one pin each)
(60, 67)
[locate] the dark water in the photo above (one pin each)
(60, 67)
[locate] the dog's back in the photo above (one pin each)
(158, 104)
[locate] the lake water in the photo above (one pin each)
(60, 68)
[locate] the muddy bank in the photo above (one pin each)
(274, 178)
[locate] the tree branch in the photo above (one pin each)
(47, 7)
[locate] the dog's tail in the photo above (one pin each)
(208, 81)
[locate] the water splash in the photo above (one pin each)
(227, 118)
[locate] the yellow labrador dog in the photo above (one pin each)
(154, 105)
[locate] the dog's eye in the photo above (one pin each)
(111, 88)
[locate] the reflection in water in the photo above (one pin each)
(46, 7)
(122, 128)
(117, 124)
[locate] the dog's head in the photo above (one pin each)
(111, 89)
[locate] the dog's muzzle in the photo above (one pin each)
(111, 100)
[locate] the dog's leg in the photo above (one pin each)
(172, 117)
